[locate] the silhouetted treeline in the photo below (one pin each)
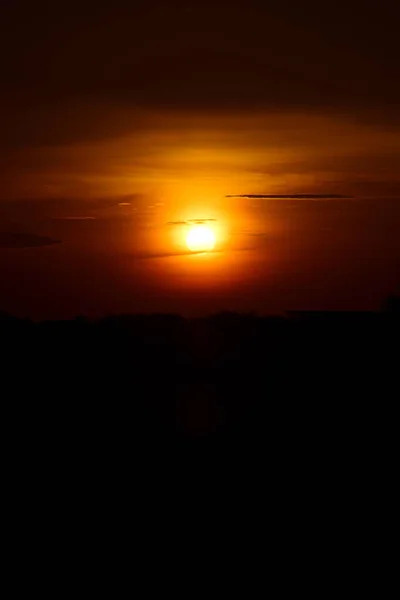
(318, 378)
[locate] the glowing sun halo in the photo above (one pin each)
(200, 239)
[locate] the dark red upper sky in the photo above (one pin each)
(198, 54)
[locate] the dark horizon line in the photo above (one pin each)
(390, 305)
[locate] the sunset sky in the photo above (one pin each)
(123, 123)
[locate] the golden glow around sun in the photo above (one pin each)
(200, 238)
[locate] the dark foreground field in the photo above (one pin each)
(144, 422)
(327, 381)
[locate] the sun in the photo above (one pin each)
(200, 239)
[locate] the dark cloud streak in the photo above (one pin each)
(292, 196)
(192, 222)
(24, 240)
(150, 255)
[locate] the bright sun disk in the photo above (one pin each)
(200, 239)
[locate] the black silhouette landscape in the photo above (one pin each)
(322, 380)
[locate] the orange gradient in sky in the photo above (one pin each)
(138, 192)
(197, 158)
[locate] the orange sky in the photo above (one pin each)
(112, 203)
(118, 119)
(197, 159)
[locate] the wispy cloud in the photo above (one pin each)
(150, 255)
(25, 240)
(74, 219)
(192, 222)
(255, 234)
(291, 196)
(201, 221)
